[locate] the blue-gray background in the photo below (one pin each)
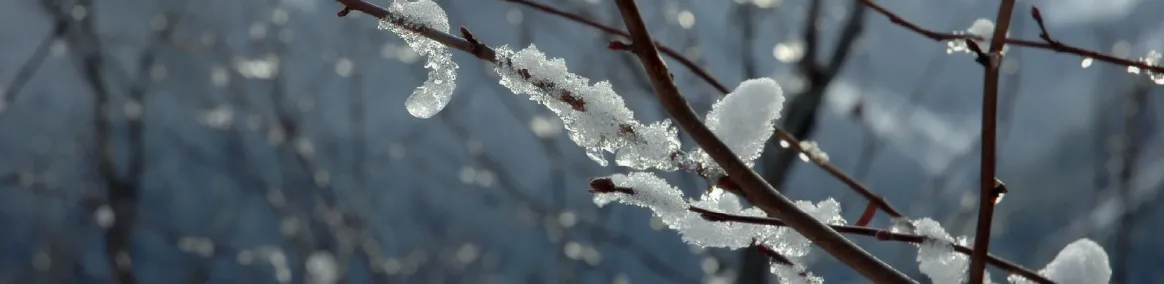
(273, 129)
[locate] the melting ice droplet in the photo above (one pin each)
(430, 98)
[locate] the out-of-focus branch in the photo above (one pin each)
(801, 114)
(122, 191)
(987, 181)
(807, 64)
(877, 233)
(755, 189)
(32, 65)
(1137, 112)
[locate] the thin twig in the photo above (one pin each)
(877, 233)
(989, 132)
(869, 195)
(480, 51)
(1052, 46)
(34, 63)
(755, 188)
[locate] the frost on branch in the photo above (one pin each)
(730, 235)
(983, 28)
(1081, 262)
(428, 99)
(649, 191)
(936, 256)
(745, 119)
(794, 274)
(815, 153)
(596, 117)
(788, 242)
(1153, 58)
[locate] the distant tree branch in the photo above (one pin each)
(122, 191)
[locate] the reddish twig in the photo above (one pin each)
(1047, 44)
(756, 189)
(867, 215)
(989, 132)
(877, 233)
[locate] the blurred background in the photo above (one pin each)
(215, 141)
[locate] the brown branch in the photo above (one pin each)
(471, 47)
(986, 178)
(1051, 45)
(755, 188)
(869, 195)
(750, 179)
(877, 233)
(851, 28)
(780, 133)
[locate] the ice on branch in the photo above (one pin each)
(814, 152)
(651, 192)
(430, 98)
(730, 235)
(788, 242)
(745, 119)
(983, 28)
(794, 274)
(667, 203)
(596, 117)
(1081, 262)
(1153, 58)
(936, 256)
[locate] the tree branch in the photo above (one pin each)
(755, 189)
(986, 179)
(469, 45)
(877, 233)
(793, 142)
(1047, 45)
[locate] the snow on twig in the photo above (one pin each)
(430, 98)
(596, 117)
